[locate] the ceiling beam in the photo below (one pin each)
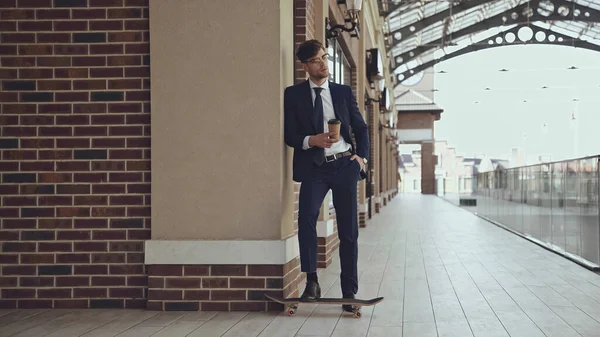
(392, 7)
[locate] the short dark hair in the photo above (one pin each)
(308, 49)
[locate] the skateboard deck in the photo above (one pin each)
(292, 303)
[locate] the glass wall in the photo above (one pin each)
(555, 204)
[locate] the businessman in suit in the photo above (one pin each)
(322, 163)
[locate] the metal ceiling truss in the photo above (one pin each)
(520, 15)
(456, 8)
(517, 15)
(502, 39)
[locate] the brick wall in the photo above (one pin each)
(221, 287)
(300, 35)
(304, 29)
(411, 120)
(75, 149)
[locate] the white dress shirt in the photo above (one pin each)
(328, 113)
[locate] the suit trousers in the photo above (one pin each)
(341, 176)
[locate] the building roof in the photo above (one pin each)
(405, 159)
(502, 163)
(413, 101)
(476, 161)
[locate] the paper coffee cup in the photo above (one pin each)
(334, 127)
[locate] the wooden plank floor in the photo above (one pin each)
(443, 272)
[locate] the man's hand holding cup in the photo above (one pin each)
(323, 140)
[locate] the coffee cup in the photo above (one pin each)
(334, 128)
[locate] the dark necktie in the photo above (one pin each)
(318, 108)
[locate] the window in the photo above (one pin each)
(339, 68)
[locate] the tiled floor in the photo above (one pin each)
(443, 272)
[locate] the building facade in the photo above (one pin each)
(455, 175)
(143, 162)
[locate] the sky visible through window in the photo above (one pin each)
(538, 105)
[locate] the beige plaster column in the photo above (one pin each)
(385, 166)
(222, 193)
(395, 177)
(382, 167)
(377, 159)
(392, 159)
(390, 169)
(396, 168)
(387, 169)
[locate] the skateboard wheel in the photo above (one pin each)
(357, 314)
(291, 312)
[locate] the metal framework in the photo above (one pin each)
(425, 32)
(507, 38)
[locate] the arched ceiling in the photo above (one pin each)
(421, 33)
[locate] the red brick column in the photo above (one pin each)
(427, 168)
(75, 159)
(304, 27)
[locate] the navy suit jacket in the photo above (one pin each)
(300, 121)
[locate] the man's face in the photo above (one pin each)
(316, 66)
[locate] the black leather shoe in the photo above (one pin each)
(347, 307)
(312, 291)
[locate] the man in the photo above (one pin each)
(322, 163)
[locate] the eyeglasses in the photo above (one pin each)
(322, 59)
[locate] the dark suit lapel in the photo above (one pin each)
(308, 104)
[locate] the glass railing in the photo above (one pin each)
(554, 204)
